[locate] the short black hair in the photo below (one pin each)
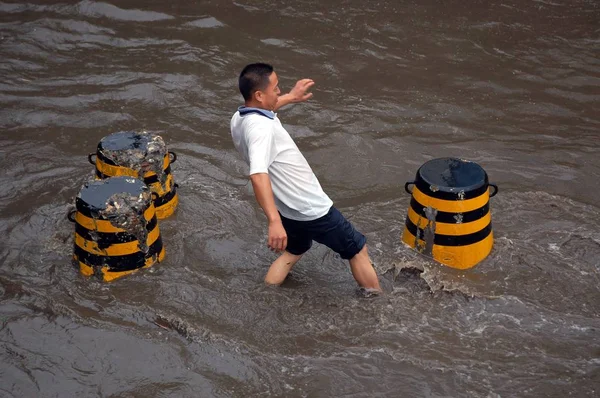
(254, 77)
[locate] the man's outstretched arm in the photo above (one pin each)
(277, 239)
(297, 94)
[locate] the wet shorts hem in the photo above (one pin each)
(331, 230)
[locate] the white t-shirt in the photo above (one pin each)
(268, 148)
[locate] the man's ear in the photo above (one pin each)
(258, 95)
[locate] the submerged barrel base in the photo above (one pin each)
(108, 276)
(459, 257)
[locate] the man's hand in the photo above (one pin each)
(299, 92)
(277, 237)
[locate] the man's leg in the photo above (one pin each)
(337, 233)
(363, 270)
(281, 267)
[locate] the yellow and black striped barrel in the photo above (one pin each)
(449, 216)
(140, 155)
(116, 228)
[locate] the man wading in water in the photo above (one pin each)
(284, 184)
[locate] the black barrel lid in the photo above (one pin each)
(95, 195)
(140, 151)
(124, 140)
(451, 178)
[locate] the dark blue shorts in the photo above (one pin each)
(332, 230)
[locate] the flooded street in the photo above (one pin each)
(512, 85)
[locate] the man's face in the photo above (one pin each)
(268, 96)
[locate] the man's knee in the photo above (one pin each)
(362, 254)
(281, 267)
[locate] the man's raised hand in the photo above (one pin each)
(300, 91)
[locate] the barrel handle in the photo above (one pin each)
(407, 185)
(71, 215)
(172, 157)
(495, 190)
(90, 158)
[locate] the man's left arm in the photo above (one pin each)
(298, 94)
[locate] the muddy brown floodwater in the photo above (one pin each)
(512, 85)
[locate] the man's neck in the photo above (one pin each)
(254, 104)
